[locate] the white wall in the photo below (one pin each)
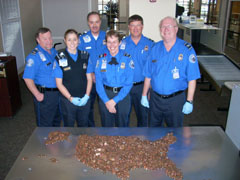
(152, 13)
(60, 15)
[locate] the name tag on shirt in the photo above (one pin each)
(67, 68)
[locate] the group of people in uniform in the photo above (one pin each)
(157, 79)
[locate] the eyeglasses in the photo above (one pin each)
(167, 27)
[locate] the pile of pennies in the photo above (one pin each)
(56, 136)
(121, 154)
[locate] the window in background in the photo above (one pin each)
(109, 9)
(208, 10)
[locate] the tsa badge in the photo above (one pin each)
(84, 65)
(146, 48)
(122, 65)
(180, 57)
(131, 64)
(30, 62)
(192, 58)
(87, 39)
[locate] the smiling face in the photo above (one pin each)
(94, 23)
(45, 40)
(113, 45)
(135, 29)
(168, 30)
(71, 41)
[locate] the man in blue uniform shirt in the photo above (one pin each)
(94, 43)
(138, 46)
(39, 78)
(172, 68)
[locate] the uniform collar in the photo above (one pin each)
(43, 50)
(131, 41)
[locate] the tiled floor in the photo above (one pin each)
(15, 131)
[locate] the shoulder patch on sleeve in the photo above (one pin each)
(30, 62)
(189, 46)
(192, 58)
(127, 55)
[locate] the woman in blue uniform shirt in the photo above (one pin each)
(114, 78)
(74, 81)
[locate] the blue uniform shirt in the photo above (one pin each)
(58, 71)
(120, 75)
(170, 71)
(39, 67)
(93, 46)
(139, 54)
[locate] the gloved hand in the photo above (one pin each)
(144, 101)
(75, 100)
(187, 108)
(84, 100)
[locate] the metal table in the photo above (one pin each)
(200, 152)
(218, 69)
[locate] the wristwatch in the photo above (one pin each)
(191, 102)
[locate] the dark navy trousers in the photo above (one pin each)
(72, 113)
(166, 110)
(141, 111)
(92, 98)
(119, 119)
(48, 111)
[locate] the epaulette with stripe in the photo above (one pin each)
(188, 45)
(150, 39)
(127, 55)
(35, 51)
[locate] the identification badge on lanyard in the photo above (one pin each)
(63, 62)
(175, 73)
(104, 64)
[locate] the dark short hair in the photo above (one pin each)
(70, 31)
(93, 13)
(135, 17)
(113, 33)
(42, 30)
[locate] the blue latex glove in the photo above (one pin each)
(144, 101)
(84, 100)
(187, 108)
(76, 100)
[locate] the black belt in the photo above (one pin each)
(113, 89)
(43, 89)
(138, 83)
(170, 95)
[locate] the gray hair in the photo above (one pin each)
(168, 17)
